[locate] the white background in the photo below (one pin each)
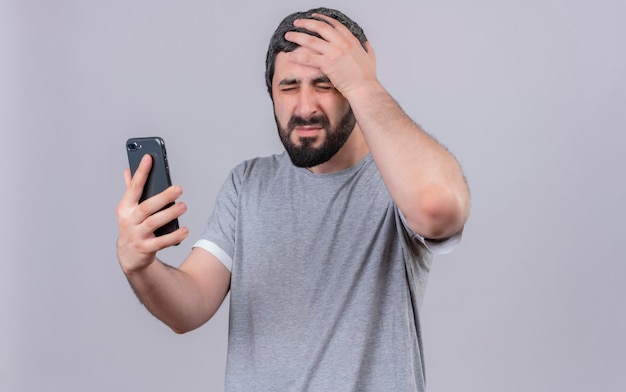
(529, 95)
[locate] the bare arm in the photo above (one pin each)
(183, 298)
(424, 179)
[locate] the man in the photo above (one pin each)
(325, 248)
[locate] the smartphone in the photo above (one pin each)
(159, 176)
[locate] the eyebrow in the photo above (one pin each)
(288, 82)
(321, 79)
(292, 81)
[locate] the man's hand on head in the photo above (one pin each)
(339, 54)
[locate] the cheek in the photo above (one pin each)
(336, 109)
(338, 115)
(281, 114)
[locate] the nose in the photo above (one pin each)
(307, 104)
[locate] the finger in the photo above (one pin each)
(163, 217)
(337, 25)
(157, 202)
(143, 170)
(370, 51)
(323, 29)
(330, 29)
(167, 240)
(308, 58)
(308, 41)
(127, 177)
(135, 184)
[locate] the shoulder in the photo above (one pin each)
(259, 169)
(260, 164)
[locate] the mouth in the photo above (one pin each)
(308, 131)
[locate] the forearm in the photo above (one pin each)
(170, 295)
(424, 179)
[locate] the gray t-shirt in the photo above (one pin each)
(326, 283)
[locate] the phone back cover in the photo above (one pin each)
(159, 177)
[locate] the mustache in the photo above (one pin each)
(320, 120)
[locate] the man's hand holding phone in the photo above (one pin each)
(137, 244)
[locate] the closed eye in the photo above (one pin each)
(324, 86)
(289, 88)
(287, 85)
(323, 83)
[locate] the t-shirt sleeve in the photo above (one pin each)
(218, 236)
(440, 247)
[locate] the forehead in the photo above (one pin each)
(285, 69)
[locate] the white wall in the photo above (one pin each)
(530, 96)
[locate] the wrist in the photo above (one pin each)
(137, 268)
(365, 89)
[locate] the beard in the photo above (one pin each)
(306, 154)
